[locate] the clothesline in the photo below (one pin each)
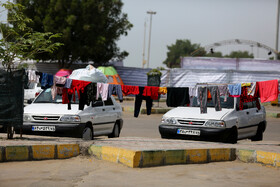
(176, 96)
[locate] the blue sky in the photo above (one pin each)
(202, 21)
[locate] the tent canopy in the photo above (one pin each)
(111, 74)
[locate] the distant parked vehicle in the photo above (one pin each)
(31, 91)
(228, 125)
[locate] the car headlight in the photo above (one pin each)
(70, 118)
(26, 117)
(170, 121)
(212, 123)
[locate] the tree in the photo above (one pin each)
(90, 28)
(240, 54)
(19, 43)
(180, 49)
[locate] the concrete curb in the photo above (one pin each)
(262, 157)
(38, 152)
(149, 158)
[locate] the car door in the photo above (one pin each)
(102, 124)
(247, 120)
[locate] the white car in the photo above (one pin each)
(33, 89)
(45, 115)
(228, 125)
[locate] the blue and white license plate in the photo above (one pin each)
(188, 132)
(43, 128)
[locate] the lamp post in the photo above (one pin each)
(151, 14)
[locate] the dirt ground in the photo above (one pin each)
(87, 171)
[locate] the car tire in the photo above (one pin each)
(116, 131)
(232, 137)
(87, 134)
(259, 135)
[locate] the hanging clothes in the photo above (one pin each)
(88, 96)
(177, 96)
(245, 98)
(267, 90)
(245, 84)
(130, 90)
(251, 89)
(215, 97)
(162, 90)
(234, 90)
(115, 89)
(58, 85)
(32, 77)
(223, 89)
(151, 91)
(68, 83)
(102, 89)
(138, 102)
(47, 81)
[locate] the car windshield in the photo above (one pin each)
(46, 97)
(229, 103)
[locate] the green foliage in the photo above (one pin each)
(19, 43)
(90, 28)
(180, 49)
(154, 72)
(240, 54)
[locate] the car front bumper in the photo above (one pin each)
(170, 131)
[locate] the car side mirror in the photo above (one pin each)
(29, 101)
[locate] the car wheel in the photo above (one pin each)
(116, 132)
(259, 135)
(87, 134)
(232, 137)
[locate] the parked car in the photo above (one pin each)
(228, 125)
(45, 115)
(32, 90)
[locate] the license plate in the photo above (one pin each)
(188, 132)
(43, 128)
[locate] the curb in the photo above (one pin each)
(149, 158)
(261, 157)
(38, 152)
(273, 115)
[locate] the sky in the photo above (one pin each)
(201, 21)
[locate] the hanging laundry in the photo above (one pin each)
(151, 91)
(234, 90)
(251, 89)
(102, 89)
(177, 96)
(130, 90)
(138, 102)
(162, 90)
(58, 85)
(47, 81)
(32, 77)
(267, 90)
(115, 89)
(203, 96)
(245, 84)
(245, 98)
(69, 93)
(68, 83)
(88, 96)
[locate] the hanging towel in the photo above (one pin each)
(234, 90)
(162, 90)
(151, 91)
(267, 90)
(128, 90)
(177, 96)
(251, 89)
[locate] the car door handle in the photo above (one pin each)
(247, 113)
(257, 110)
(113, 108)
(103, 109)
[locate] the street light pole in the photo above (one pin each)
(277, 27)
(151, 14)
(144, 46)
